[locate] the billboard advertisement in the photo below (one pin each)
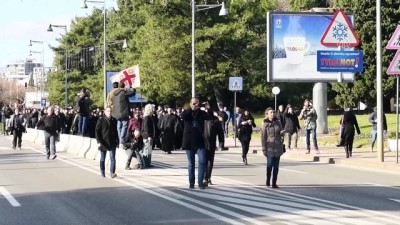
(138, 98)
(293, 40)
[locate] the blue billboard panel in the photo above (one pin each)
(138, 98)
(340, 61)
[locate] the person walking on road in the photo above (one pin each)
(51, 127)
(373, 119)
(245, 127)
(17, 127)
(309, 115)
(272, 146)
(107, 140)
(349, 122)
(193, 140)
(212, 130)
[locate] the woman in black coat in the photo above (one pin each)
(107, 140)
(246, 124)
(349, 122)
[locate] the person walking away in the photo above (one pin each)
(212, 130)
(120, 109)
(7, 115)
(107, 140)
(280, 115)
(133, 145)
(168, 125)
(111, 94)
(349, 122)
(228, 119)
(373, 119)
(272, 147)
(309, 115)
(17, 127)
(51, 128)
(292, 126)
(193, 140)
(148, 131)
(246, 124)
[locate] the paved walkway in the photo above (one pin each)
(362, 157)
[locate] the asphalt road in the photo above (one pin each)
(70, 190)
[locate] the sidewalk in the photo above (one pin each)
(362, 158)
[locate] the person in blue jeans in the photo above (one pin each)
(272, 145)
(373, 118)
(83, 105)
(193, 140)
(107, 140)
(309, 115)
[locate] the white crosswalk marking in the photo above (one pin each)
(237, 202)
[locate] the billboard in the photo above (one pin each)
(293, 40)
(138, 98)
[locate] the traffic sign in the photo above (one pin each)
(340, 32)
(394, 67)
(394, 42)
(235, 83)
(43, 102)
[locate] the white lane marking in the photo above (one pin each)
(381, 185)
(5, 148)
(293, 171)
(396, 200)
(163, 155)
(9, 197)
(174, 197)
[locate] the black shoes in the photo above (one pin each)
(274, 186)
(47, 157)
(268, 183)
(245, 161)
(191, 186)
(54, 157)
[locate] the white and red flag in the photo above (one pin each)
(129, 76)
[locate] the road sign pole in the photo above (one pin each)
(234, 117)
(397, 119)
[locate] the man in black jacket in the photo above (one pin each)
(107, 140)
(83, 107)
(17, 127)
(52, 128)
(120, 109)
(193, 140)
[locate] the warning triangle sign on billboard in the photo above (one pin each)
(394, 42)
(340, 32)
(394, 67)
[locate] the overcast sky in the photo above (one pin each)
(24, 20)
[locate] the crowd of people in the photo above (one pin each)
(197, 130)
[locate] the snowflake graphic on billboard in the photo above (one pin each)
(340, 32)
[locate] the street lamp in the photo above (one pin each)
(222, 12)
(84, 6)
(50, 29)
(41, 82)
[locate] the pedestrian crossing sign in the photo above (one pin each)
(235, 83)
(394, 42)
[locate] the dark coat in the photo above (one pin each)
(349, 123)
(83, 104)
(107, 133)
(246, 130)
(50, 124)
(120, 102)
(212, 130)
(193, 129)
(292, 124)
(271, 138)
(148, 127)
(168, 125)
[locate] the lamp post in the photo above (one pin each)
(50, 29)
(41, 82)
(222, 12)
(84, 6)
